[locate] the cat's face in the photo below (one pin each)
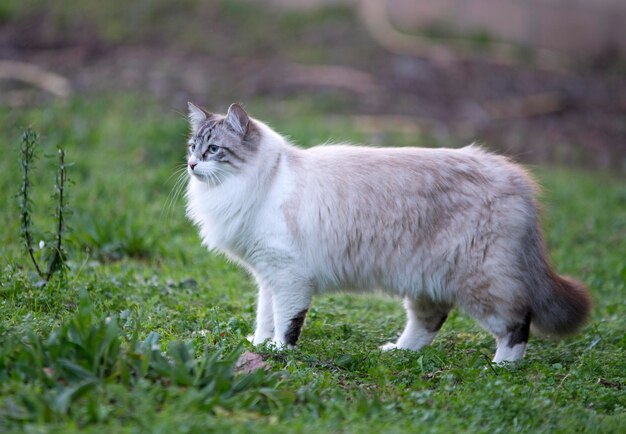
(220, 146)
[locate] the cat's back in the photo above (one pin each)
(468, 170)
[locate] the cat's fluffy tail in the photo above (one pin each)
(563, 308)
(559, 305)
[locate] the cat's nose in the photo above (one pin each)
(192, 164)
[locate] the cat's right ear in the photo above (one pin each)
(197, 116)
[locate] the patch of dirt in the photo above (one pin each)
(537, 116)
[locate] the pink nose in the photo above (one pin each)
(192, 165)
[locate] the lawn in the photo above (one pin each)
(142, 332)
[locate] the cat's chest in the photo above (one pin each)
(237, 231)
(220, 229)
(217, 218)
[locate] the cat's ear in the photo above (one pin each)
(197, 115)
(237, 119)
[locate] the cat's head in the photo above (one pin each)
(220, 146)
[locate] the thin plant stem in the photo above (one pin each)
(27, 150)
(56, 263)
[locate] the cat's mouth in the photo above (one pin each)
(209, 178)
(199, 176)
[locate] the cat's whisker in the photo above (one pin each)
(179, 190)
(213, 178)
(177, 186)
(209, 178)
(177, 171)
(217, 174)
(175, 192)
(170, 197)
(181, 183)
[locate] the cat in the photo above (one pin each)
(442, 228)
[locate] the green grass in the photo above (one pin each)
(81, 353)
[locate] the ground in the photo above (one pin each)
(142, 333)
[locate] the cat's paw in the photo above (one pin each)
(260, 337)
(389, 346)
(256, 341)
(277, 344)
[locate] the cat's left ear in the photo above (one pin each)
(197, 116)
(237, 119)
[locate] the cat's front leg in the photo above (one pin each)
(264, 329)
(290, 302)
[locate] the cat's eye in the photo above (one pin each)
(193, 147)
(213, 149)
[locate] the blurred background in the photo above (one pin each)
(542, 81)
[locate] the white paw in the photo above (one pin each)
(277, 344)
(259, 339)
(503, 363)
(389, 346)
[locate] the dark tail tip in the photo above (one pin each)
(567, 310)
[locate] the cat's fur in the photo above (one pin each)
(441, 228)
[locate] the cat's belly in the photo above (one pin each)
(434, 274)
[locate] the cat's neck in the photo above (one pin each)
(273, 149)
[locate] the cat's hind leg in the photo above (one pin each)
(511, 336)
(424, 319)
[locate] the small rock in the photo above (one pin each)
(249, 362)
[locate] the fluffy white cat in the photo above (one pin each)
(441, 228)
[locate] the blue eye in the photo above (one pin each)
(213, 149)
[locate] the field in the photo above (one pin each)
(142, 332)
